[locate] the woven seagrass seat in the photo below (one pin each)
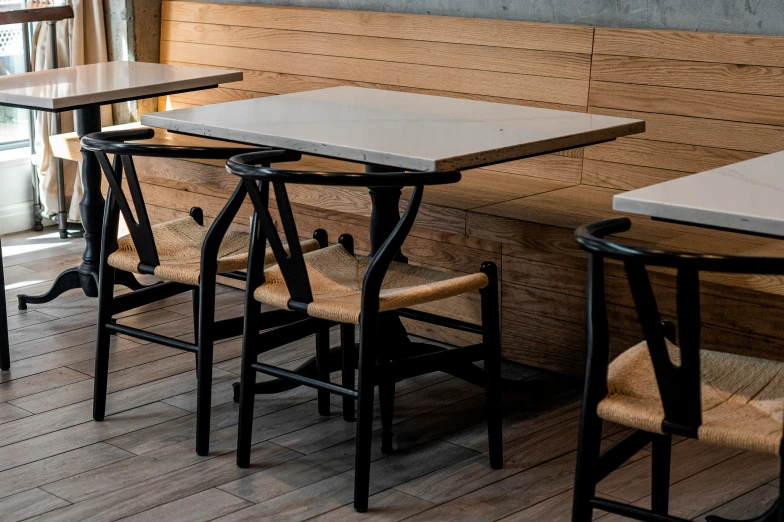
(336, 282)
(179, 244)
(742, 398)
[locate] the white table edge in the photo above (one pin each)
(699, 217)
(118, 95)
(511, 153)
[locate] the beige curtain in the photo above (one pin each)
(80, 41)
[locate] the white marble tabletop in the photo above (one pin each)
(746, 196)
(395, 129)
(102, 83)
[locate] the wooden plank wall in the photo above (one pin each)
(708, 100)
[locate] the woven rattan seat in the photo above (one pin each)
(179, 244)
(742, 397)
(336, 282)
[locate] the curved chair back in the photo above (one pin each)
(257, 180)
(137, 219)
(679, 385)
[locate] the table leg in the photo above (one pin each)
(62, 214)
(85, 276)
(37, 217)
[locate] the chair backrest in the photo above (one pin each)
(135, 212)
(679, 384)
(257, 181)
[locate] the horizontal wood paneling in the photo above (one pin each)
(497, 33)
(453, 55)
(727, 77)
(469, 81)
(750, 108)
(682, 45)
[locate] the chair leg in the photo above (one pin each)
(195, 303)
(103, 340)
(660, 474)
(247, 392)
(347, 346)
(588, 451)
(386, 392)
(367, 367)
(491, 340)
(5, 353)
(204, 372)
(322, 369)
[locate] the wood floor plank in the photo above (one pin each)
(334, 492)
(85, 434)
(336, 430)
(633, 482)
(9, 412)
(388, 506)
(59, 467)
(753, 503)
(127, 378)
(503, 498)
(222, 416)
(39, 383)
(28, 504)
(168, 488)
(79, 358)
(199, 507)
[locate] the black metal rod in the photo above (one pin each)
(632, 511)
(277, 337)
(307, 381)
(239, 276)
(151, 294)
(439, 320)
(155, 338)
(430, 362)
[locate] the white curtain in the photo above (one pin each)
(80, 41)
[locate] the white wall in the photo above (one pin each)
(16, 191)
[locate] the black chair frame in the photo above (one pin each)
(378, 364)
(207, 331)
(679, 386)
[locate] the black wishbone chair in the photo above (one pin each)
(335, 286)
(660, 388)
(183, 253)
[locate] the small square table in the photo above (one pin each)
(84, 89)
(744, 197)
(388, 130)
(395, 130)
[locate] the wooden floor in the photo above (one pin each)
(139, 464)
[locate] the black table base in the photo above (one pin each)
(85, 276)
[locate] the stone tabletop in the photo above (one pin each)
(395, 129)
(746, 196)
(23, 12)
(97, 84)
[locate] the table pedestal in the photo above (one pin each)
(85, 276)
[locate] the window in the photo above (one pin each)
(14, 123)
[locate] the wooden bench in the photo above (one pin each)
(708, 100)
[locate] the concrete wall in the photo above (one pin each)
(727, 16)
